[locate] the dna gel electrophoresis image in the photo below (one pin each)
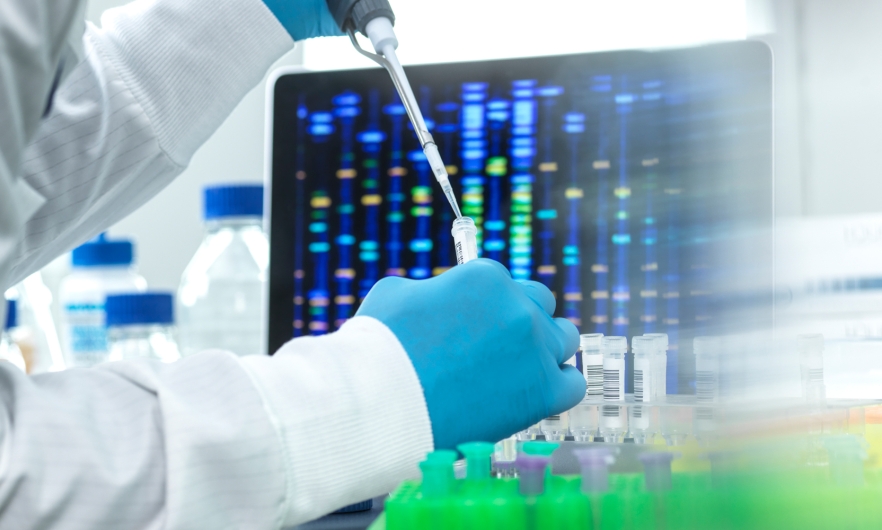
(597, 175)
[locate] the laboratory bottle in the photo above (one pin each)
(592, 364)
(660, 365)
(9, 350)
(99, 268)
(221, 296)
(141, 326)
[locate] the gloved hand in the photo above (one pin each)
(304, 19)
(485, 348)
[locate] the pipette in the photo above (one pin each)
(374, 18)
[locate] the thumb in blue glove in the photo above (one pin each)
(486, 350)
(304, 19)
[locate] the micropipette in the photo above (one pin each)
(374, 18)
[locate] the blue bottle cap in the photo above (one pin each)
(233, 200)
(11, 315)
(103, 252)
(139, 309)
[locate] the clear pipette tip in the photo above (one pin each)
(451, 198)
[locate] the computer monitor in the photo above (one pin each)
(633, 184)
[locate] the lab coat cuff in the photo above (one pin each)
(350, 414)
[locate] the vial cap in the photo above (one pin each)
(540, 448)
(463, 224)
(590, 341)
(705, 345)
(595, 456)
(102, 252)
(810, 342)
(643, 344)
(233, 200)
(139, 309)
(660, 337)
(11, 315)
(614, 344)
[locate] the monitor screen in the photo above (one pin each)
(633, 184)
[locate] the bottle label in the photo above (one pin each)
(592, 369)
(86, 333)
(613, 379)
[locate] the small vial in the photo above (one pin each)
(613, 423)
(592, 364)
(437, 470)
(660, 365)
(465, 239)
(644, 368)
(532, 471)
(707, 385)
(657, 470)
(529, 433)
(140, 326)
(555, 428)
(595, 462)
(613, 350)
(583, 422)
(811, 366)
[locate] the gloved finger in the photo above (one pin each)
(485, 265)
(540, 294)
(568, 390)
(568, 335)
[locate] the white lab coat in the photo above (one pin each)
(213, 441)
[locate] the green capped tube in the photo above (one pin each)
(437, 469)
(477, 455)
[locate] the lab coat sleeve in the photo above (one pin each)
(212, 441)
(158, 78)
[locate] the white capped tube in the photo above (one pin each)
(592, 364)
(465, 239)
(613, 350)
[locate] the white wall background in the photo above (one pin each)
(828, 92)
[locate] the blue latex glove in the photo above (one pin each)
(485, 348)
(304, 19)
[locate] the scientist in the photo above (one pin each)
(96, 121)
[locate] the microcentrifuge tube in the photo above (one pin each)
(707, 369)
(529, 433)
(437, 470)
(465, 239)
(477, 456)
(644, 368)
(583, 422)
(657, 470)
(660, 366)
(811, 366)
(592, 364)
(613, 350)
(531, 469)
(555, 428)
(613, 423)
(595, 462)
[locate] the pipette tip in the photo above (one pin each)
(451, 198)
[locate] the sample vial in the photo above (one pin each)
(660, 364)
(707, 369)
(811, 366)
(465, 239)
(592, 364)
(613, 423)
(644, 368)
(613, 350)
(555, 428)
(583, 422)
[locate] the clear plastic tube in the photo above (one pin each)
(465, 239)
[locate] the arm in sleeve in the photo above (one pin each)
(157, 80)
(212, 441)
(33, 40)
